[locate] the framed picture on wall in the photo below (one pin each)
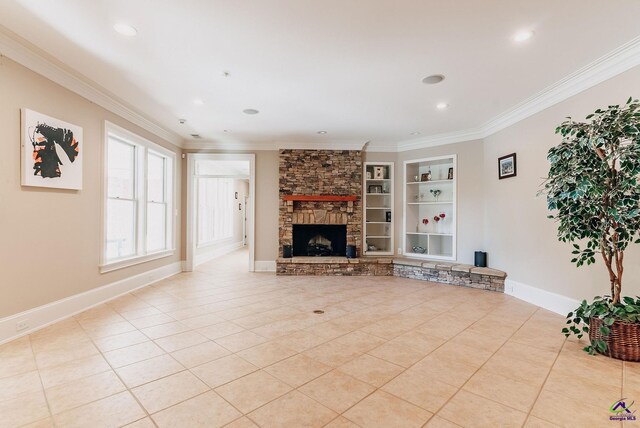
(507, 166)
(51, 152)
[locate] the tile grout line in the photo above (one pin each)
(482, 365)
(564, 343)
(44, 392)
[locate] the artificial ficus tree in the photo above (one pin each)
(593, 187)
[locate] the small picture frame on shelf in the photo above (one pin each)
(425, 176)
(450, 174)
(378, 173)
(374, 188)
(368, 175)
(507, 166)
(387, 216)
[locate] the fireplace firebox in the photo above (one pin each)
(320, 240)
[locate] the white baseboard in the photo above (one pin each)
(545, 299)
(218, 251)
(53, 312)
(265, 266)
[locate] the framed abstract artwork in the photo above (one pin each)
(51, 152)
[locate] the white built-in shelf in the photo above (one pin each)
(377, 231)
(432, 182)
(438, 238)
(442, 256)
(428, 233)
(431, 203)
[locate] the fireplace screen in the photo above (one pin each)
(319, 240)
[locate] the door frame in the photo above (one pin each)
(191, 201)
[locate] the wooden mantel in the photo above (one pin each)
(324, 198)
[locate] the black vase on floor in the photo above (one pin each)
(351, 251)
(287, 251)
(480, 259)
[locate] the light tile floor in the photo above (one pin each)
(222, 347)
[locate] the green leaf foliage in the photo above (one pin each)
(593, 193)
(593, 185)
(601, 307)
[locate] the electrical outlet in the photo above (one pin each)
(22, 325)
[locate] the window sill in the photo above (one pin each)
(121, 264)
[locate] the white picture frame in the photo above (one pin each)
(51, 152)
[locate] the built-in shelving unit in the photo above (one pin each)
(378, 208)
(430, 191)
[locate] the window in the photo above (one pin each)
(139, 200)
(215, 209)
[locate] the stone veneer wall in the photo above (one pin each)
(321, 172)
(450, 273)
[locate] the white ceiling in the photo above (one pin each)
(351, 68)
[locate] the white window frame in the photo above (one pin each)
(143, 147)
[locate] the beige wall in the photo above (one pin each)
(51, 240)
(517, 234)
(266, 202)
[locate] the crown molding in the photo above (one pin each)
(28, 56)
(607, 66)
(271, 145)
(613, 63)
(439, 140)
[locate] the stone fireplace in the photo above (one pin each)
(322, 189)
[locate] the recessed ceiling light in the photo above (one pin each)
(322, 132)
(415, 133)
(442, 106)
(433, 79)
(227, 130)
(198, 102)
(225, 73)
(125, 29)
(523, 36)
(250, 111)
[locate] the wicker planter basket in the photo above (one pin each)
(623, 342)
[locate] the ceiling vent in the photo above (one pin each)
(196, 136)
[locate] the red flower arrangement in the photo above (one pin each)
(439, 217)
(425, 221)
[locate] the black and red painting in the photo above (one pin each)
(51, 152)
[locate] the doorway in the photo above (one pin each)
(220, 207)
